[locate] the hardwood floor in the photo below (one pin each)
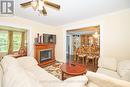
(89, 64)
(90, 67)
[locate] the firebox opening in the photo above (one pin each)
(45, 55)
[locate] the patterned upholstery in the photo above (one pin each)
(88, 53)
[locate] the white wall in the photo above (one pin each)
(33, 27)
(114, 29)
(61, 44)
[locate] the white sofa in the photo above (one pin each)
(24, 72)
(113, 68)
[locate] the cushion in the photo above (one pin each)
(6, 61)
(1, 76)
(45, 79)
(106, 81)
(39, 73)
(108, 72)
(77, 81)
(126, 76)
(27, 61)
(108, 63)
(14, 75)
(91, 84)
(123, 68)
(1, 56)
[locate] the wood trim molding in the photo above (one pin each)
(91, 28)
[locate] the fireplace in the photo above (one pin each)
(45, 55)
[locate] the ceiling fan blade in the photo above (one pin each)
(26, 4)
(52, 4)
(44, 11)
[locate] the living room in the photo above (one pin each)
(112, 17)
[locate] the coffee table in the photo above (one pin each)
(73, 69)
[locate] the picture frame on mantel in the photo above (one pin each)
(45, 39)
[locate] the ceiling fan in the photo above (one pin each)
(39, 5)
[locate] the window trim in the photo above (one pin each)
(13, 29)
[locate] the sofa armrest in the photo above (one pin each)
(1, 76)
(106, 81)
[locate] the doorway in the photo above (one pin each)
(83, 45)
(68, 47)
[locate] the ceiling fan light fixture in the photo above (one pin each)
(40, 8)
(44, 11)
(34, 5)
(40, 5)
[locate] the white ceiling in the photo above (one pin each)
(72, 10)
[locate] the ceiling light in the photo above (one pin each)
(34, 5)
(96, 35)
(39, 5)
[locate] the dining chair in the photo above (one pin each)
(81, 55)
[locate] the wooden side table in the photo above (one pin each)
(73, 69)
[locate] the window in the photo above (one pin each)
(16, 40)
(3, 41)
(11, 39)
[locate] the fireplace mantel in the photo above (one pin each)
(38, 48)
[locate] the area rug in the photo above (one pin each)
(54, 69)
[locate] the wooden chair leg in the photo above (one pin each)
(77, 59)
(87, 61)
(83, 60)
(93, 62)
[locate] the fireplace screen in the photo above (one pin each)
(45, 55)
